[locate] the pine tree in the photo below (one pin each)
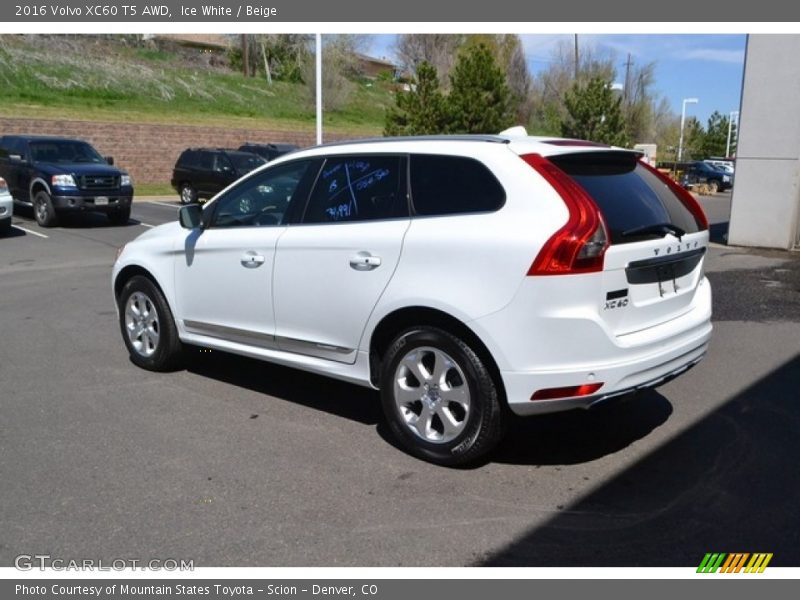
(595, 114)
(480, 100)
(421, 110)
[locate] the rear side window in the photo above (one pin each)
(445, 185)
(188, 159)
(358, 188)
(629, 196)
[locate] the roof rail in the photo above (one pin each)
(496, 139)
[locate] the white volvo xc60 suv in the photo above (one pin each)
(462, 276)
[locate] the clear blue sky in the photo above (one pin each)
(708, 67)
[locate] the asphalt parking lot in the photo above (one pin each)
(232, 462)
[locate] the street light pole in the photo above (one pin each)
(730, 128)
(319, 87)
(683, 122)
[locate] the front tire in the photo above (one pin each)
(148, 327)
(43, 210)
(439, 398)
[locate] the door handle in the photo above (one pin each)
(252, 260)
(364, 261)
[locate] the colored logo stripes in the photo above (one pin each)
(734, 563)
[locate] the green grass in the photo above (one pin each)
(89, 79)
(154, 189)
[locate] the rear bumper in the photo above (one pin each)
(620, 378)
(550, 337)
(88, 203)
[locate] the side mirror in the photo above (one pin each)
(109, 159)
(190, 216)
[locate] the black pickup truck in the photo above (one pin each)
(57, 175)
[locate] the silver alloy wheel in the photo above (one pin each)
(186, 195)
(141, 323)
(431, 394)
(41, 210)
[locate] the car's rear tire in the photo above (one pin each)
(119, 217)
(43, 210)
(439, 397)
(148, 327)
(188, 195)
(5, 226)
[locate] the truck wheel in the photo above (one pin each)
(188, 194)
(439, 398)
(43, 210)
(148, 327)
(119, 217)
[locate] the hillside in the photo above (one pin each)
(120, 79)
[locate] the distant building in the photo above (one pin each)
(374, 67)
(765, 208)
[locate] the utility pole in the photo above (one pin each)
(577, 62)
(625, 93)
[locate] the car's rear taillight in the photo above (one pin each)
(692, 205)
(580, 245)
(3, 186)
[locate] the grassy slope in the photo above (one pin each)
(85, 78)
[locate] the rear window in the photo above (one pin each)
(189, 159)
(629, 196)
(445, 185)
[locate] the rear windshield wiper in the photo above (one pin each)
(662, 228)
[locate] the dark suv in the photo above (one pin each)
(202, 172)
(58, 175)
(268, 151)
(703, 172)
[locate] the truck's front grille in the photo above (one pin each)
(98, 182)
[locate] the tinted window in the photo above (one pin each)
(64, 151)
(244, 163)
(189, 159)
(629, 196)
(357, 188)
(205, 160)
(262, 199)
(443, 185)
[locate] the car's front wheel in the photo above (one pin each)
(439, 397)
(148, 327)
(43, 210)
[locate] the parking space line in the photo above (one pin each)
(146, 224)
(168, 205)
(41, 235)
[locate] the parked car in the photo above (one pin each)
(465, 277)
(702, 172)
(59, 175)
(268, 151)
(6, 208)
(203, 172)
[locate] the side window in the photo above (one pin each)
(358, 188)
(205, 161)
(222, 163)
(444, 185)
(261, 200)
(188, 159)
